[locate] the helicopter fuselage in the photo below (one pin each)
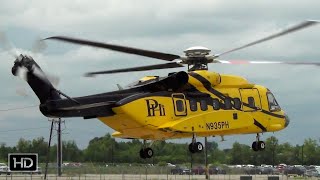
(211, 105)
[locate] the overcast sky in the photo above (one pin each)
(167, 26)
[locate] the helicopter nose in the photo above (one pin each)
(287, 120)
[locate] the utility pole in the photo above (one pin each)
(48, 151)
(112, 153)
(302, 154)
(206, 157)
(273, 151)
(59, 148)
(57, 124)
(191, 160)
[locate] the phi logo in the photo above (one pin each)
(23, 162)
(155, 108)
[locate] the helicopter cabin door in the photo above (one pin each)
(250, 98)
(179, 104)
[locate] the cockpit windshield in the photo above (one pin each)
(273, 104)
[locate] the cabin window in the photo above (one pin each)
(273, 104)
(203, 105)
(237, 103)
(227, 103)
(222, 105)
(215, 104)
(193, 105)
(180, 105)
(251, 102)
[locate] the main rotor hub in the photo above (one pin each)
(197, 58)
(197, 51)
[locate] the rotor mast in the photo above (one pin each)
(197, 58)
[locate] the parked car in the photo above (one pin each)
(269, 170)
(198, 170)
(4, 169)
(186, 171)
(312, 173)
(180, 170)
(266, 165)
(176, 170)
(300, 171)
(253, 170)
(276, 171)
(212, 170)
(171, 165)
(261, 170)
(217, 170)
(281, 167)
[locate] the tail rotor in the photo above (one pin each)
(28, 70)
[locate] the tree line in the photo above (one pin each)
(106, 150)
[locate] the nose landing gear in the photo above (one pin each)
(258, 145)
(145, 152)
(195, 146)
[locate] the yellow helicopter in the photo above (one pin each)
(192, 104)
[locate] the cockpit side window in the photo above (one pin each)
(273, 104)
(251, 102)
(203, 105)
(227, 103)
(180, 105)
(216, 104)
(237, 103)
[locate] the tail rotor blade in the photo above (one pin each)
(39, 73)
(22, 73)
(22, 92)
(7, 45)
(55, 80)
(39, 46)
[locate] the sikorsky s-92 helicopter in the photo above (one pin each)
(192, 104)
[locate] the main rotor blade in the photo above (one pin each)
(130, 50)
(140, 68)
(294, 28)
(267, 62)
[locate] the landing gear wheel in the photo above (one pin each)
(191, 148)
(148, 152)
(198, 146)
(142, 155)
(254, 146)
(258, 146)
(195, 147)
(261, 145)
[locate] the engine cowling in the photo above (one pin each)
(204, 78)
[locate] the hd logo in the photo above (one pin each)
(23, 162)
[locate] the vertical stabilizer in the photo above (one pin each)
(26, 68)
